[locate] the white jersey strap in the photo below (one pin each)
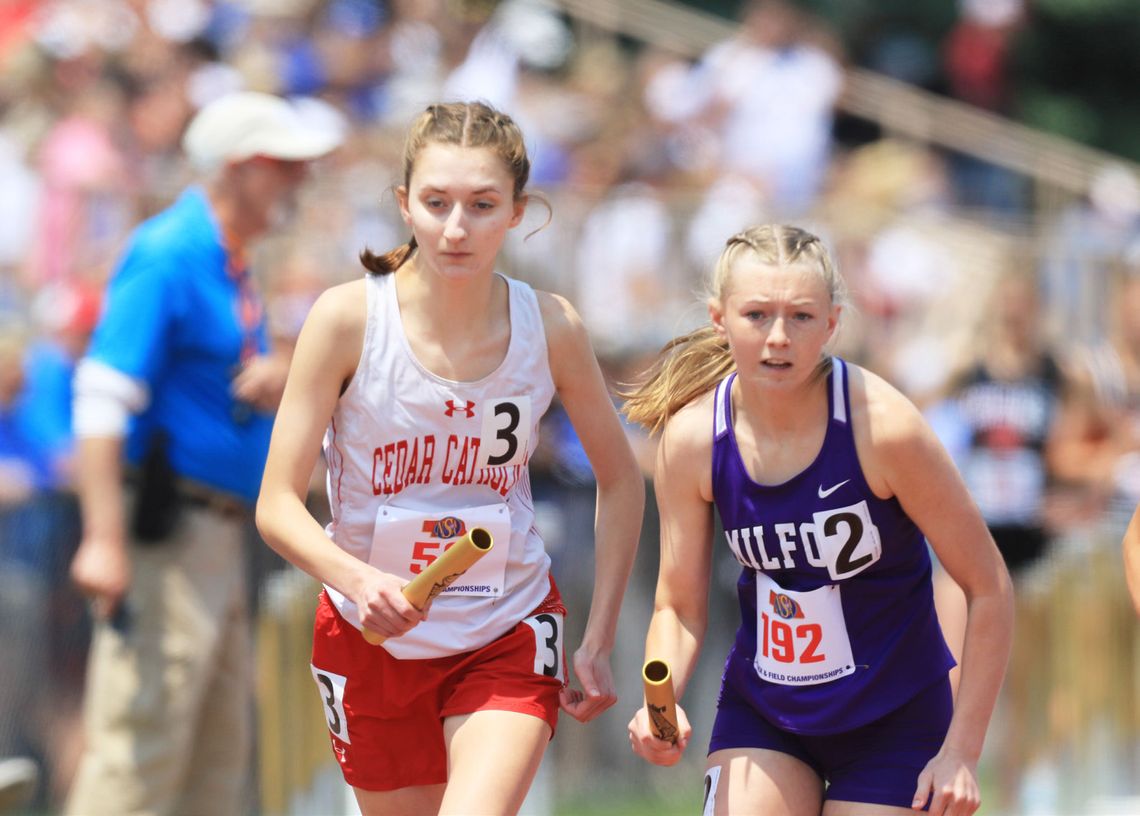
(838, 392)
(722, 405)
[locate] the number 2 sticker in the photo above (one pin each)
(505, 435)
(848, 540)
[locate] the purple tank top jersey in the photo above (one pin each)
(838, 623)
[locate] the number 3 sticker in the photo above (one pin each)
(547, 628)
(331, 687)
(505, 435)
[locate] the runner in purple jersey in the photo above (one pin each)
(835, 698)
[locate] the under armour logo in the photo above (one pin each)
(468, 408)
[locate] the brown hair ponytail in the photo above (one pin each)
(390, 261)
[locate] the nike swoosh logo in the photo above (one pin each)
(823, 494)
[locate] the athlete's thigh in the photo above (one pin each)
(411, 801)
(759, 780)
(492, 759)
(835, 807)
(875, 768)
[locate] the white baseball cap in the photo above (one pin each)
(244, 124)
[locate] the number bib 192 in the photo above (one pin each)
(405, 541)
(801, 637)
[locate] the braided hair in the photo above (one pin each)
(466, 124)
(693, 364)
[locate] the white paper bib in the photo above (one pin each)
(405, 541)
(801, 637)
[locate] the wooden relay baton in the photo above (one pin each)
(440, 573)
(659, 700)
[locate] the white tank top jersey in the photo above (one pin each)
(414, 460)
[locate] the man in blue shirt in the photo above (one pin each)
(173, 411)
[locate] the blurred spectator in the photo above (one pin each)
(1089, 239)
(179, 381)
(976, 55)
(85, 209)
(416, 50)
(1009, 398)
(977, 52)
(909, 269)
(1102, 449)
(770, 95)
(621, 289)
(25, 554)
(20, 189)
(1003, 419)
(497, 40)
(65, 314)
(25, 467)
(489, 65)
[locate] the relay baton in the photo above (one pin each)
(440, 573)
(659, 700)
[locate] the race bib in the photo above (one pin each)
(801, 637)
(405, 542)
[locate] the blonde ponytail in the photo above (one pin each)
(687, 367)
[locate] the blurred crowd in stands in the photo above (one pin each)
(1017, 329)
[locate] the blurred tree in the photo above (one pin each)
(1075, 72)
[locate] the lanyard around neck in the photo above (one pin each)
(249, 307)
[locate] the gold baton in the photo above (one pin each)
(440, 573)
(659, 700)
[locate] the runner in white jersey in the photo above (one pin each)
(427, 381)
(408, 450)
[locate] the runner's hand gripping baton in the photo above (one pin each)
(659, 700)
(440, 573)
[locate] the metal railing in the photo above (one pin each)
(900, 109)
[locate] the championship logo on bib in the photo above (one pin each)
(406, 541)
(801, 636)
